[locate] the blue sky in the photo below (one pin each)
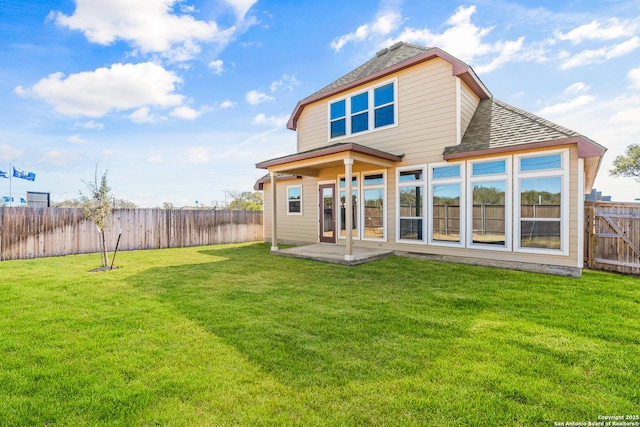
(180, 99)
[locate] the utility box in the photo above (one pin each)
(38, 200)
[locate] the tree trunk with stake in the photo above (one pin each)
(98, 208)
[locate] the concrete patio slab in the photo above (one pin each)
(334, 254)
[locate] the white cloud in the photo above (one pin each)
(464, 40)
(275, 121)
(613, 123)
(155, 158)
(217, 66)
(120, 87)
(77, 139)
(595, 30)
(241, 7)
(507, 51)
(59, 157)
(91, 124)
(564, 107)
(287, 82)
(227, 104)
(148, 25)
(143, 115)
(255, 97)
(634, 76)
(577, 87)
(195, 155)
(386, 22)
(596, 56)
(186, 113)
(9, 152)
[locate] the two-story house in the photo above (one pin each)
(410, 152)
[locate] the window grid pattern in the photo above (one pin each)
(366, 111)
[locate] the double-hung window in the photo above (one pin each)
(410, 206)
(446, 204)
(369, 110)
(383, 102)
(360, 112)
(489, 209)
(294, 200)
(542, 202)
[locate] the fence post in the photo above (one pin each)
(591, 238)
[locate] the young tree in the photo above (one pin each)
(97, 207)
(628, 165)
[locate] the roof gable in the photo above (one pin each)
(385, 58)
(387, 61)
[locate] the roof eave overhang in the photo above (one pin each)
(259, 185)
(586, 148)
(350, 149)
(460, 69)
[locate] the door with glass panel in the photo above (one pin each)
(327, 213)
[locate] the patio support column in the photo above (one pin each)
(348, 210)
(274, 210)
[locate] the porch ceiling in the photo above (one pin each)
(311, 163)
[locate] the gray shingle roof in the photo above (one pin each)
(385, 58)
(496, 124)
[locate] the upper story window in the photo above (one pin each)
(365, 111)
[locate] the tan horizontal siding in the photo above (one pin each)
(469, 102)
(426, 106)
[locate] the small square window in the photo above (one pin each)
(383, 95)
(384, 116)
(359, 103)
(360, 122)
(338, 128)
(338, 109)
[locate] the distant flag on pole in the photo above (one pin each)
(19, 173)
(4, 174)
(7, 199)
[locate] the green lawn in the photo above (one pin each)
(229, 335)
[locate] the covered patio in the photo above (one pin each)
(311, 163)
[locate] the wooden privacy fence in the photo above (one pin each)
(612, 237)
(42, 232)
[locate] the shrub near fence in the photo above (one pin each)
(42, 232)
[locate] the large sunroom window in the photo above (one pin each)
(542, 193)
(411, 205)
(369, 110)
(446, 204)
(489, 207)
(374, 209)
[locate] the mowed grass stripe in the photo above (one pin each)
(229, 335)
